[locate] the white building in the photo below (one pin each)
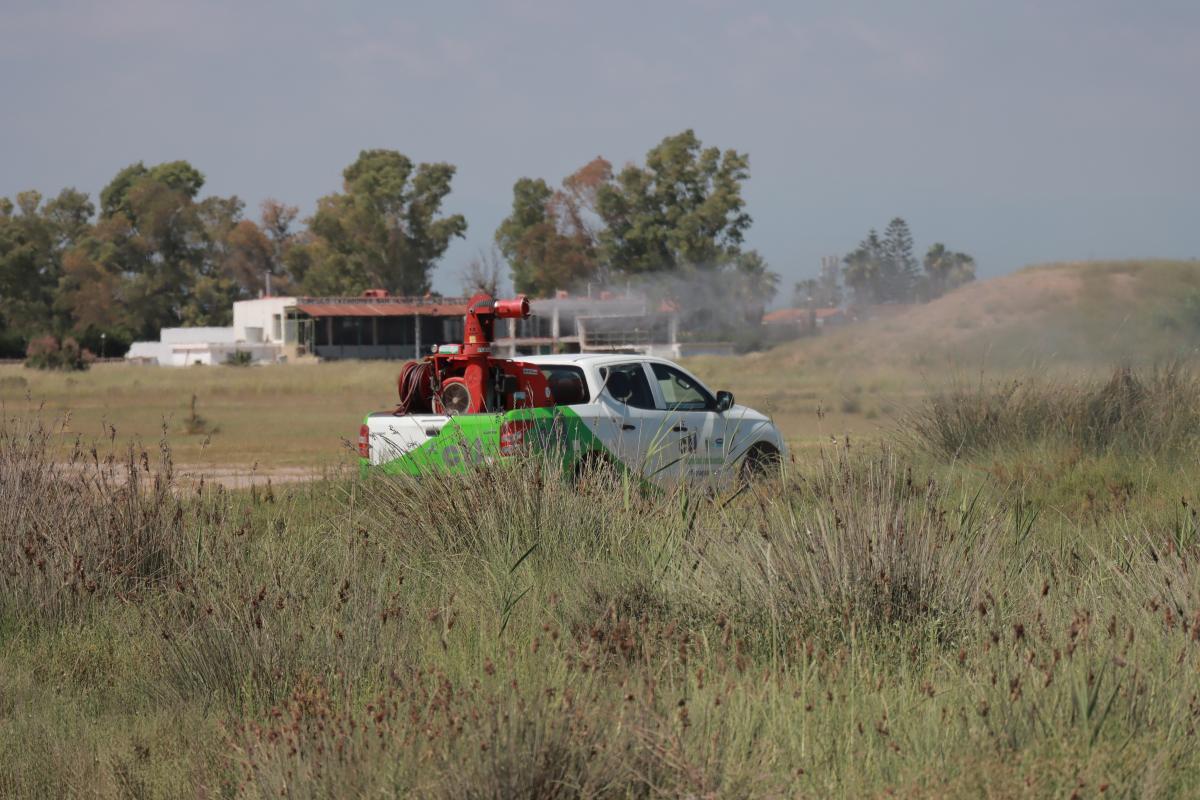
(264, 321)
(258, 329)
(378, 326)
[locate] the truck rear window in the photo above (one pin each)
(567, 384)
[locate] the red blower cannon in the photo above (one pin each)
(466, 379)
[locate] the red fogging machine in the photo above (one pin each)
(466, 379)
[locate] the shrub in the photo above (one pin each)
(239, 358)
(75, 530)
(11, 345)
(1153, 412)
(46, 352)
(863, 545)
(197, 425)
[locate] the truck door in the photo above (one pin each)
(629, 420)
(694, 429)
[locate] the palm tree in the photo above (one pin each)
(937, 266)
(755, 284)
(862, 273)
(947, 269)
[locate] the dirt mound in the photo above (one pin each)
(1079, 311)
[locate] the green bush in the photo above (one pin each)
(12, 345)
(47, 352)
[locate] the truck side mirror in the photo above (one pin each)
(724, 401)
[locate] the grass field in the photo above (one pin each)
(991, 590)
(1072, 319)
(301, 416)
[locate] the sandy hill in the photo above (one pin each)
(1074, 312)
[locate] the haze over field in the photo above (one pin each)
(1022, 131)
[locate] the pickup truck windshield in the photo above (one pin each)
(680, 392)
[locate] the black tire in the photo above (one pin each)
(593, 470)
(761, 462)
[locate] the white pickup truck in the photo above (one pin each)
(636, 413)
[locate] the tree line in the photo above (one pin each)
(156, 254)
(150, 252)
(884, 269)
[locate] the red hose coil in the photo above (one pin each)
(409, 384)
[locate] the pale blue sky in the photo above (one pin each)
(1019, 131)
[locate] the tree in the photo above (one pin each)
(752, 285)
(34, 236)
(382, 231)
(946, 270)
(550, 237)
(159, 256)
(70, 217)
(899, 265)
(805, 293)
(883, 270)
(825, 291)
(179, 176)
(675, 225)
(863, 270)
(149, 247)
(483, 273)
(28, 270)
(276, 221)
(683, 207)
(236, 259)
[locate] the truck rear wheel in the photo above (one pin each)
(593, 470)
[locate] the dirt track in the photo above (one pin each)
(188, 477)
(237, 477)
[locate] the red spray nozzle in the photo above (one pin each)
(517, 307)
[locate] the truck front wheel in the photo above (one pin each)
(762, 461)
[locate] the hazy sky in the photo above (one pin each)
(1018, 131)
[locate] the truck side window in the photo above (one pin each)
(566, 384)
(639, 395)
(680, 392)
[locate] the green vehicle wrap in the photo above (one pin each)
(468, 441)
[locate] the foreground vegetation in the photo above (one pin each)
(972, 605)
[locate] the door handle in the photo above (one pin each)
(627, 427)
(680, 428)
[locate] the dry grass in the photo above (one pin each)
(876, 622)
(274, 416)
(1153, 412)
(861, 546)
(89, 528)
(1012, 607)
